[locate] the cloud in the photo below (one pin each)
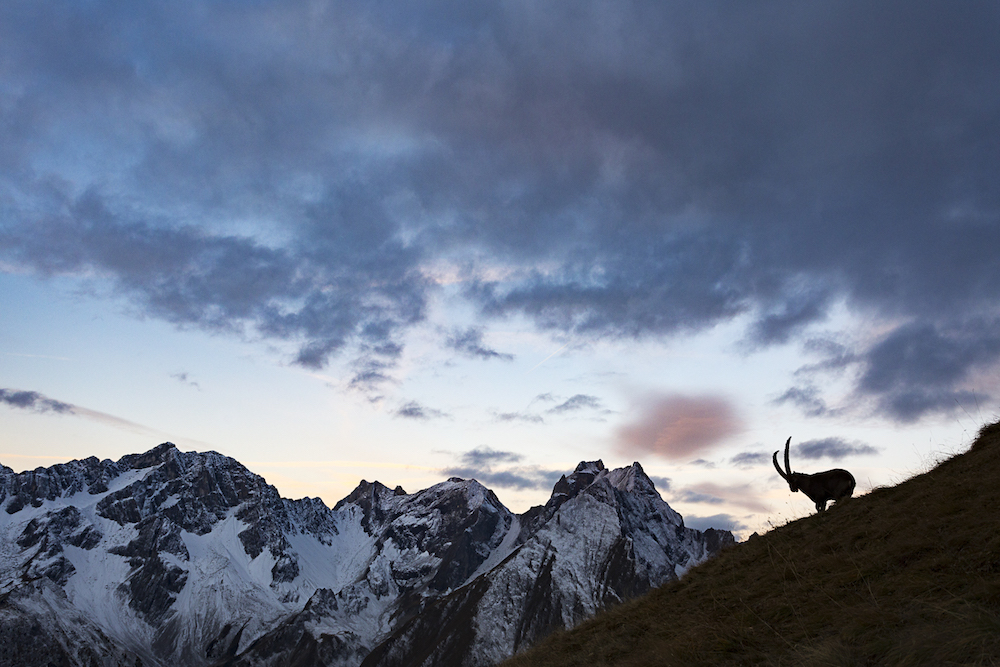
(516, 478)
(185, 378)
(126, 425)
(710, 493)
(792, 313)
(831, 448)
(36, 402)
(807, 398)
(678, 427)
(750, 459)
(691, 496)
(32, 400)
(644, 172)
(484, 456)
(919, 368)
(912, 370)
(482, 464)
(662, 483)
(834, 356)
(527, 417)
(414, 410)
(577, 402)
(373, 366)
(470, 343)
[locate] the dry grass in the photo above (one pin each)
(907, 575)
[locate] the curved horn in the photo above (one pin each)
(778, 467)
(788, 468)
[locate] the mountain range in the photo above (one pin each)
(188, 558)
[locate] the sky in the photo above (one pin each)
(401, 241)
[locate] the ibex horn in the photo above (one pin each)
(788, 468)
(778, 467)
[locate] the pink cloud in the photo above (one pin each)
(678, 427)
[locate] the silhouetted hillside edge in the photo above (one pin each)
(905, 575)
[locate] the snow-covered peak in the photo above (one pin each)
(370, 494)
(583, 476)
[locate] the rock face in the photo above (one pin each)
(169, 557)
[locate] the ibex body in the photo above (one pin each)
(821, 487)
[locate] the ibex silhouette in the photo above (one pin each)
(821, 487)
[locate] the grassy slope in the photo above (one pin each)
(907, 575)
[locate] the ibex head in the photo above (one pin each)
(821, 487)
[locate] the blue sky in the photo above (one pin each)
(345, 240)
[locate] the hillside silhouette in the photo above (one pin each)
(904, 575)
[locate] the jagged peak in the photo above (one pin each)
(583, 476)
(630, 478)
(365, 487)
(307, 501)
(366, 492)
(164, 449)
(155, 456)
(592, 467)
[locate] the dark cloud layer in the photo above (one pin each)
(919, 367)
(296, 171)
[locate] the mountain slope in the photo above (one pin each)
(907, 575)
(172, 557)
(604, 537)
